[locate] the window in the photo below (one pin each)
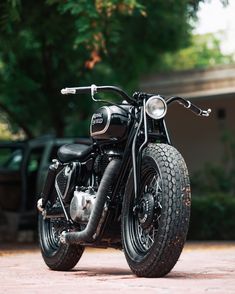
(35, 159)
(11, 158)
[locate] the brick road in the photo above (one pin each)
(202, 268)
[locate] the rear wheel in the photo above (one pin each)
(56, 255)
(154, 226)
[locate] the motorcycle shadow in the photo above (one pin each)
(194, 276)
(102, 271)
(127, 274)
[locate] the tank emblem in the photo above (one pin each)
(97, 118)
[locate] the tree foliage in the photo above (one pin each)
(204, 52)
(46, 45)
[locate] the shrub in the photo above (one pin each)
(212, 217)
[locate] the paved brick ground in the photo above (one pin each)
(202, 268)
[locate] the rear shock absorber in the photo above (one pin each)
(48, 185)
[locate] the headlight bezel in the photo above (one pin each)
(151, 101)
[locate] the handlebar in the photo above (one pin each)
(187, 104)
(93, 89)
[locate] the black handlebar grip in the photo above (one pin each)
(83, 90)
(77, 90)
(194, 108)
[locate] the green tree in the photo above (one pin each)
(46, 45)
(204, 52)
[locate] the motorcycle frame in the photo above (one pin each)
(140, 125)
(131, 160)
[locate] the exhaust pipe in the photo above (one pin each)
(87, 235)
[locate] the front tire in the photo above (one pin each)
(154, 226)
(57, 256)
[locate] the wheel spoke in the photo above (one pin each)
(159, 205)
(150, 241)
(50, 233)
(145, 220)
(153, 181)
(158, 186)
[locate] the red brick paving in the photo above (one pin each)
(202, 268)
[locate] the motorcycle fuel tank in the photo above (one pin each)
(109, 123)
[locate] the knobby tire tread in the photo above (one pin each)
(176, 213)
(65, 259)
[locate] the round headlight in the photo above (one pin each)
(156, 107)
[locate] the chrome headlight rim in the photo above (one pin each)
(148, 105)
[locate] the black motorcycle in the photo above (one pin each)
(129, 189)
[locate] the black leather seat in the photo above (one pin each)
(71, 152)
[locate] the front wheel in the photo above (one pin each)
(155, 225)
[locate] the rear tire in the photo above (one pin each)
(154, 227)
(57, 256)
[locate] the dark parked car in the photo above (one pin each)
(23, 167)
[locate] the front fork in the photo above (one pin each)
(137, 159)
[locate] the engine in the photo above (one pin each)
(82, 204)
(84, 198)
(81, 199)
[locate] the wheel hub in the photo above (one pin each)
(146, 210)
